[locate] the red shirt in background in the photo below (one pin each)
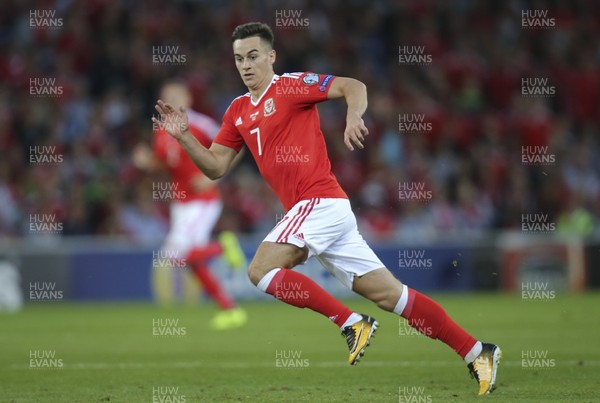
(180, 166)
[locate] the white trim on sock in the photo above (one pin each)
(474, 353)
(399, 308)
(264, 282)
(352, 319)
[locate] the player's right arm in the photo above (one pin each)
(214, 162)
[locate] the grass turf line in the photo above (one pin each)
(109, 353)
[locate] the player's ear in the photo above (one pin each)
(272, 56)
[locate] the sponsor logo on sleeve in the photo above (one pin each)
(325, 83)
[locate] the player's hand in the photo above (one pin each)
(175, 122)
(142, 156)
(355, 132)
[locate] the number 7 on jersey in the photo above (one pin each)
(257, 131)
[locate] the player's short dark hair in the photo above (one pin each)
(250, 29)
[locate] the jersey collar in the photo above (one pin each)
(275, 78)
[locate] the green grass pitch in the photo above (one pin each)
(112, 353)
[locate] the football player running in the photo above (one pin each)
(278, 117)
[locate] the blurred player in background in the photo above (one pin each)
(195, 210)
(279, 123)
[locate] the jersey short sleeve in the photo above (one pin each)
(229, 135)
(315, 87)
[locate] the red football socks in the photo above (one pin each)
(298, 290)
(198, 259)
(429, 318)
(213, 288)
(204, 254)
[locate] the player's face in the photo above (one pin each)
(254, 60)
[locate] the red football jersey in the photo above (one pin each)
(180, 166)
(282, 131)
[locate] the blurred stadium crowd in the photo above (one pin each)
(470, 158)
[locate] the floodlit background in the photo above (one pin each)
(481, 172)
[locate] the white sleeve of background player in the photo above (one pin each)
(204, 122)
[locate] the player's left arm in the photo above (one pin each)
(355, 93)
